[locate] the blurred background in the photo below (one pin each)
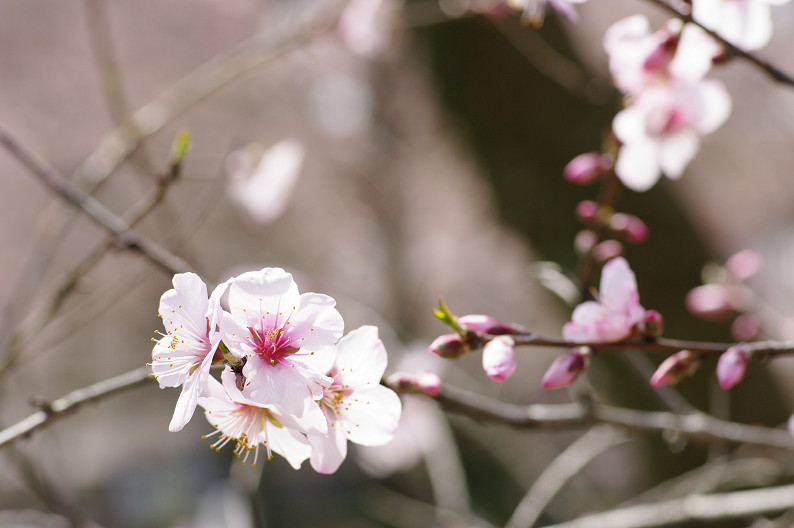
(427, 143)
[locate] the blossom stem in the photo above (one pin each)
(774, 72)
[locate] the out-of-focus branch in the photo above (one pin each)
(698, 427)
(71, 279)
(561, 470)
(127, 237)
(61, 407)
(714, 507)
(303, 22)
(770, 69)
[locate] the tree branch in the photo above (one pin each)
(775, 73)
(714, 507)
(164, 259)
(698, 427)
(59, 408)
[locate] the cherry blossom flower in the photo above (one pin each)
(661, 130)
(747, 24)
(498, 358)
(183, 356)
(263, 185)
(639, 59)
(251, 425)
(614, 315)
(282, 335)
(533, 11)
(355, 405)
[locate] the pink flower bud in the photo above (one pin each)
(428, 383)
(586, 168)
(746, 327)
(586, 212)
(489, 325)
(675, 368)
(732, 366)
(629, 227)
(567, 368)
(744, 264)
(714, 301)
(498, 359)
(448, 346)
(654, 323)
(607, 250)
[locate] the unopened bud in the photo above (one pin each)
(629, 227)
(427, 383)
(587, 212)
(449, 346)
(654, 324)
(498, 358)
(744, 264)
(607, 250)
(486, 324)
(716, 302)
(732, 366)
(586, 168)
(675, 368)
(567, 368)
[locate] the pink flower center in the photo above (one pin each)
(272, 344)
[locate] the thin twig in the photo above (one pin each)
(63, 406)
(698, 427)
(93, 208)
(68, 283)
(774, 72)
(305, 23)
(759, 349)
(560, 471)
(714, 507)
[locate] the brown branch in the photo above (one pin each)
(696, 426)
(93, 208)
(61, 407)
(760, 349)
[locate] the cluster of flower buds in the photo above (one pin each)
(290, 381)
(724, 296)
(498, 356)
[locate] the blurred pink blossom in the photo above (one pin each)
(661, 131)
(616, 313)
(366, 26)
(263, 185)
(744, 264)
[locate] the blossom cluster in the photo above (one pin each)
(290, 381)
